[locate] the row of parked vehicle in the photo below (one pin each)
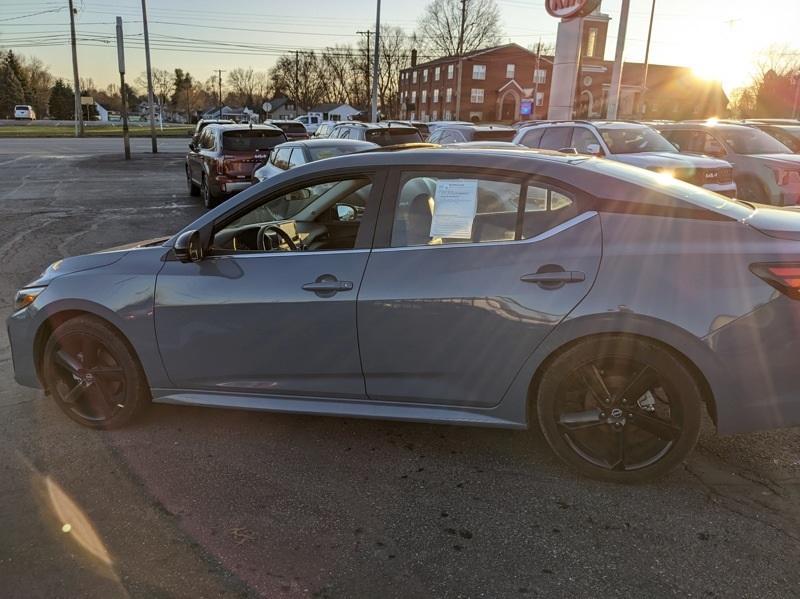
(756, 161)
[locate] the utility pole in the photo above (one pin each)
(376, 64)
(297, 76)
(219, 90)
(77, 81)
(462, 29)
(616, 76)
(536, 79)
(366, 68)
(150, 98)
(796, 103)
(646, 60)
(121, 60)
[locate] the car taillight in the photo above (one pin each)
(783, 276)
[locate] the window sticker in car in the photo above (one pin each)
(455, 206)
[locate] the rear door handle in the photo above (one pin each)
(566, 276)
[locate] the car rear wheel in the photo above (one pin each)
(93, 375)
(208, 199)
(194, 190)
(619, 409)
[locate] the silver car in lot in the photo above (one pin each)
(603, 303)
(631, 143)
(292, 154)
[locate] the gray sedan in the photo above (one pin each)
(295, 153)
(605, 304)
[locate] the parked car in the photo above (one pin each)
(383, 135)
(324, 129)
(765, 170)
(420, 126)
(785, 131)
(296, 153)
(221, 162)
(631, 143)
(479, 287)
(310, 121)
(24, 112)
(452, 134)
(292, 129)
(203, 123)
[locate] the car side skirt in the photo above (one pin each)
(333, 407)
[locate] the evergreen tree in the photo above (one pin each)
(12, 62)
(62, 101)
(11, 91)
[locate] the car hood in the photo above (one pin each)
(74, 264)
(789, 160)
(653, 160)
(778, 222)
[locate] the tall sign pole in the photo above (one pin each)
(643, 93)
(150, 98)
(76, 78)
(616, 76)
(121, 61)
(376, 66)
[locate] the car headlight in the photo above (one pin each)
(25, 297)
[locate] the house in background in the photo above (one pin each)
(240, 115)
(283, 108)
(334, 111)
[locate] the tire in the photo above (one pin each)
(620, 409)
(205, 192)
(751, 189)
(194, 190)
(93, 375)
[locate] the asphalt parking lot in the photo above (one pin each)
(194, 502)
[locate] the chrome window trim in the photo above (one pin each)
(568, 224)
(258, 254)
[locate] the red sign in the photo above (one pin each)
(570, 9)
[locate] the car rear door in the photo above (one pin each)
(451, 319)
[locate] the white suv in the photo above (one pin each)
(24, 111)
(632, 143)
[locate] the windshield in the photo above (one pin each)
(250, 140)
(494, 135)
(632, 140)
(752, 141)
(393, 135)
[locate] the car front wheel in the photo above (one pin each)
(93, 375)
(194, 190)
(621, 409)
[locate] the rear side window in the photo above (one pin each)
(281, 158)
(393, 135)
(556, 138)
(450, 208)
(250, 140)
(533, 138)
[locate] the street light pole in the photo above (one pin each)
(123, 96)
(77, 81)
(150, 98)
(376, 66)
(616, 77)
(646, 59)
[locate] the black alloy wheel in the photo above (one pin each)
(621, 409)
(208, 200)
(93, 375)
(194, 190)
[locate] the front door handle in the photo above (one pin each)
(552, 276)
(328, 286)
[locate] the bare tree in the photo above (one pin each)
(40, 81)
(395, 55)
(299, 75)
(244, 85)
(163, 84)
(453, 27)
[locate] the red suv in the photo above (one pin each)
(221, 162)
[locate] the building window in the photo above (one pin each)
(591, 41)
(448, 116)
(539, 98)
(435, 115)
(414, 97)
(476, 96)
(425, 76)
(479, 71)
(437, 73)
(414, 77)
(476, 116)
(450, 69)
(423, 116)
(435, 96)
(424, 96)
(539, 76)
(448, 97)
(510, 68)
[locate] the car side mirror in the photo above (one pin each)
(677, 146)
(345, 212)
(193, 146)
(594, 150)
(188, 247)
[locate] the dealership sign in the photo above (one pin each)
(570, 9)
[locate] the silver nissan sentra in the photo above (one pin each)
(500, 288)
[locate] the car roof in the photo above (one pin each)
(326, 142)
(473, 127)
(240, 127)
(727, 126)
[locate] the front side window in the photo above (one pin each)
(297, 158)
(745, 140)
(440, 208)
(479, 71)
(632, 140)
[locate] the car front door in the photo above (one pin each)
(476, 271)
(273, 323)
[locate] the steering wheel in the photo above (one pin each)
(262, 236)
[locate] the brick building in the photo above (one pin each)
(509, 83)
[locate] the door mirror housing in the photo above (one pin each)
(595, 150)
(193, 146)
(345, 212)
(188, 247)
(677, 145)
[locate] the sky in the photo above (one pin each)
(720, 39)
